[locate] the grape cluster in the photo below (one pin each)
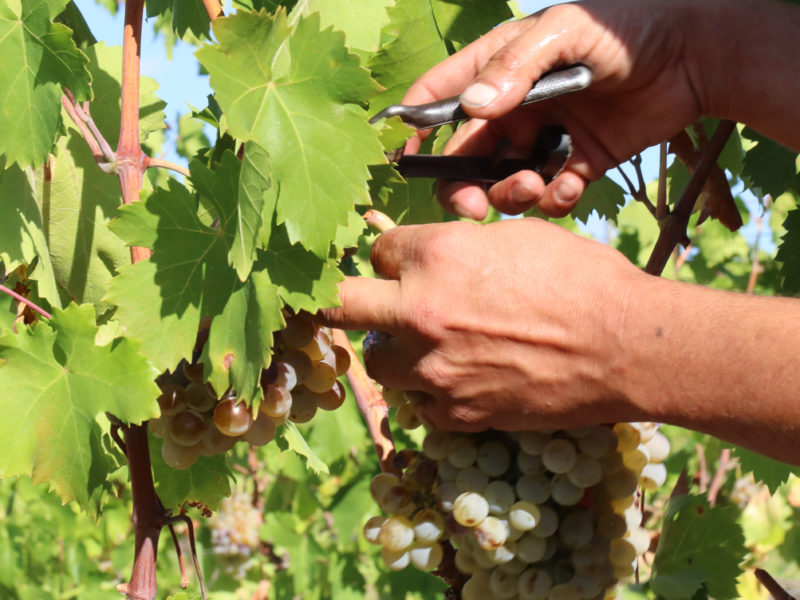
(301, 378)
(234, 534)
(532, 515)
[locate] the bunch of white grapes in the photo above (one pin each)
(533, 515)
(234, 534)
(301, 379)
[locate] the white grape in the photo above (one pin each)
(372, 527)
(533, 488)
(470, 508)
(586, 472)
(406, 417)
(564, 492)
(428, 526)
(548, 522)
(628, 436)
(500, 496)
(531, 548)
(524, 515)
(564, 591)
(397, 500)
(447, 471)
(493, 458)
(639, 539)
(476, 588)
(394, 398)
(446, 494)
(658, 447)
(529, 463)
(436, 445)
(491, 533)
(514, 567)
(395, 560)
(532, 442)
(503, 585)
(396, 534)
(534, 584)
(598, 442)
(472, 479)
(611, 525)
(653, 476)
(611, 463)
(559, 455)
(646, 429)
(589, 559)
(621, 552)
(621, 484)
(635, 460)
(502, 555)
(426, 558)
(633, 517)
(576, 529)
(463, 452)
(465, 561)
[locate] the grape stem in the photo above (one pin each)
(773, 587)
(673, 227)
(25, 301)
(213, 8)
(371, 405)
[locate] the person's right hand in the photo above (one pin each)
(646, 87)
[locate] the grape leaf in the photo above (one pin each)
(294, 90)
(464, 21)
(22, 232)
(699, 546)
(770, 472)
(238, 190)
(207, 481)
(415, 46)
(293, 440)
(603, 197)
(305, 281)
(39, 58)
(184, 16)
(788, 254)
(160, 300)
(769, 166)
(360, 20)
(56, 382)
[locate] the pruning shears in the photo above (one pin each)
(548, 155)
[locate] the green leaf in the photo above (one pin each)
(160, 301)
(464, 21)
(22, 231)
(770, 472)
(415, 46)
(305, 281)
(293, 440)
(789, 254)
(184, 16)
(294, 90)
(360, 20)
(207, 481)
(699, 546)
(39, 58)
(603, 197)
(768, 167)
(56, 384)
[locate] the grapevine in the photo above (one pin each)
(159, 353)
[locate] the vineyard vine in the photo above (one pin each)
(128, 278)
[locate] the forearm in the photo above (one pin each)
(718, 362)
(743, 60)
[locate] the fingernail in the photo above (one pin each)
(565, 193)
(460, 210)
(521, 194)
(478, 95)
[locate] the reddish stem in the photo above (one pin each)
(131, 161)
(773, 587)
(25, 301)
(371, 404)
(213, 8)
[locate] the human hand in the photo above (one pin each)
(512, 325)
(646, 87)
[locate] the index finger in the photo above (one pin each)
(452, 75)
(366, 303)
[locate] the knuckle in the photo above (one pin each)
(507, 59)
